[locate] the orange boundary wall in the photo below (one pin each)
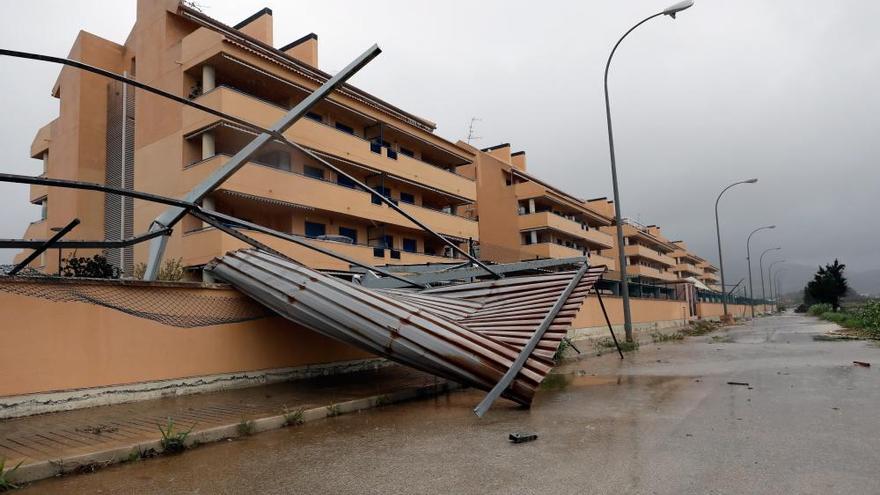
(54, 346)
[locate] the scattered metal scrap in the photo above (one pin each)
(495, 335)
(519, 437)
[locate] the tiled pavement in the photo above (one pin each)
(56, 436)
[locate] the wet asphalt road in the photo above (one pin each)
(663, 421)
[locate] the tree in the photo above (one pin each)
(828, 286)
(95, 267)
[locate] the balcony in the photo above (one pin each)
(688, 269)
(545, 250)
(649, 272)
(546, 219)
(43, 139)
(290, 187)
(710, 277)
(37, 192)
(598, 259)
(201, 246)
(326, 139)
(647, 253)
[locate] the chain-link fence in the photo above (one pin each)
(167, 304)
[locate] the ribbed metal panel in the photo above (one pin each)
(446, 332)
(119, 172)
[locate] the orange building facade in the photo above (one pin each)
(110, 133)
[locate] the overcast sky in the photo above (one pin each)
(783, 90)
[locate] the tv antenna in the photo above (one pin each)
(471, 136)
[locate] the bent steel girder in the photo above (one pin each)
(85, 244)
(46, 245)
(158, 247)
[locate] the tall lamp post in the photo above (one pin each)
(671, 11)
(718, 234)
(776, 285)
(749, 261)
(761, 269)
(770, 278)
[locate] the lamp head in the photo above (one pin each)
(674, 9)
(771, 227)
(751, 181)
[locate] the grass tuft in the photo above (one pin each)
(173, 441)
(295, 417)
(5, 483)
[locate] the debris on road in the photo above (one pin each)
(744, 384)
(522, 437)
(862, 363)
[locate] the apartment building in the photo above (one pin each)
(111, 133)
(687, 264)
(710, 276)
(522, 217)
(648, 252)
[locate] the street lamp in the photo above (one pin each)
(718, 233)
(749, 260)
(770, 278)
(671, 11)
(761, 269)
(777, 285)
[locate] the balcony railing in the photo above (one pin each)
(265, 117)
(282, 185)
(202, 245)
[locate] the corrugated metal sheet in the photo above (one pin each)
(468, 333)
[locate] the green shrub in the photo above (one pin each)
(869, 314)
(819, 309)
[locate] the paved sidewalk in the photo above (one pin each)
(67, 441)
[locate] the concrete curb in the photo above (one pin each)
(99, 459)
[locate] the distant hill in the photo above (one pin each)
(867, 282)
(796, 277)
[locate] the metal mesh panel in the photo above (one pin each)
(171, 306)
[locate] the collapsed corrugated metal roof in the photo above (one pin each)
(470, 333)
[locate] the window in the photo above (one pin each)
(350, 233)
(313, 172)
(314, 116)
(378, 252)
(375, 147)
(410, 245)
(392, 154)
(44, 210)
(407, 198)
(409, 153)
(314, 229)
(345, 128)
(384, 191)
(389, 241)
(345, 181)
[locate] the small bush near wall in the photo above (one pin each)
(819, 309)
(95, 267)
